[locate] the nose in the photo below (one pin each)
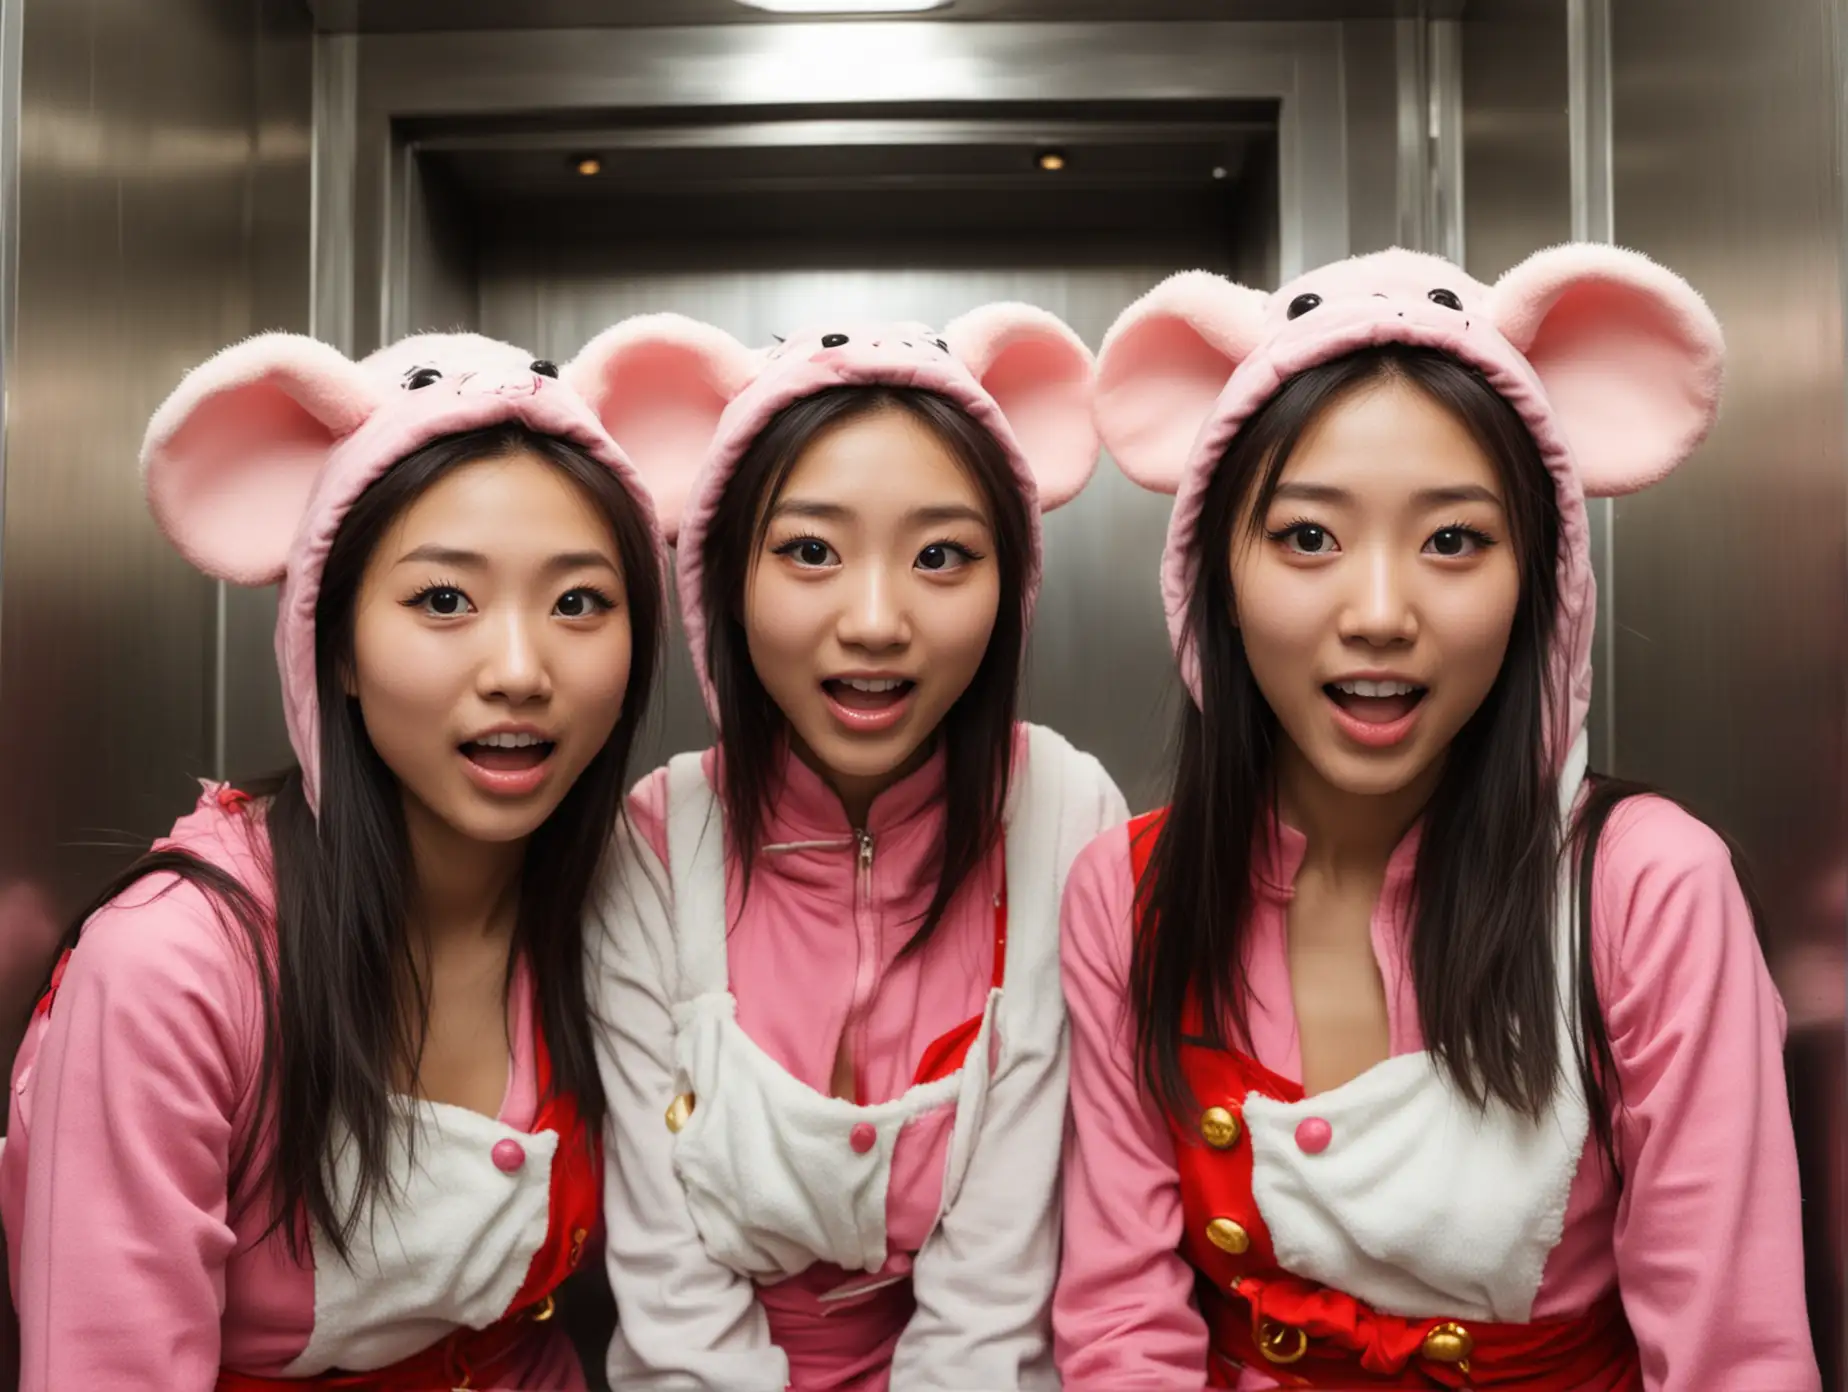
(513, 666)
(873, 617)
(1380, 612)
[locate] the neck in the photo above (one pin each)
(1347, 834)
(460, 888)
(858, 792)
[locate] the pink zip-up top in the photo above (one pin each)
(764, 1233)
(133, 1265)
(1395, 1193)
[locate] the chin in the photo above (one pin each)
(1379, 776)
(863, 759)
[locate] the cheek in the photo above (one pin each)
(401, 668)
(1282, 612)
(592, 669)
(962, 620)
(784, 624)
(1476, 619)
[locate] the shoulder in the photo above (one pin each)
(168, 954)
(1098, 916)
(1667, 905)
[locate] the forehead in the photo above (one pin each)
(1387, 439)
(888, 460)
(507, 505)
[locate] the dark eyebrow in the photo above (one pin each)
(1462, 493)
(803, 507)
(474, 560)
(948, 512)
(1429, 497)
(1312, 492)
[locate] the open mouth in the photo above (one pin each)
(508, 753)
(870, 694)
(1381, 703)
(868, 705)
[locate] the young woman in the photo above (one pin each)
(835, 1060)
(311, 1101)
(1405, 1054)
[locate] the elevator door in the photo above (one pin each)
(758, 261)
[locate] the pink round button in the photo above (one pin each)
(863, 1138)
(508, 1156)
(1313, 1136)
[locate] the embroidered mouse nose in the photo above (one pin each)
(862, 1138)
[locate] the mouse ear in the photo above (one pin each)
(1629, 354)
(231, 457)
(1040, 374)
(1163, 365)
(659, 383)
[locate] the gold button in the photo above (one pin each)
(1281, 1343)
(1448, 1343)
(679, 1111)
(1219, 1127)
(1228, 1236)
(545, 1311)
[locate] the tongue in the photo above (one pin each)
(1376, 710)
(507, 760)
(855, 699)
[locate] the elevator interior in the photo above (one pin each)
(182, 172)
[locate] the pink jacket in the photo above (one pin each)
(961, 1297)
(129, 1100)
(1702, 1239)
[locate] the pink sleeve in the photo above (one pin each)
(648, 811)
(135, 1101)
(1123, 1315)
(1708, 1238)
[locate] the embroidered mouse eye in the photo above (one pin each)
(1447, 298)
(834, 340)
(545, 367)
(1302, 304)
(422, 378)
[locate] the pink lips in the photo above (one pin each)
(869, 722)
(1373, 734)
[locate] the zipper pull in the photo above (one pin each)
(866, 849)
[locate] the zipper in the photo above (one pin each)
(866, 954)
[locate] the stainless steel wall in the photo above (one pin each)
(162, 211)
(1732, 579)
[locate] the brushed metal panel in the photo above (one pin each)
(543, 287)
(1517, 161)
(162, 171)
(399, 16)
(1731, 596)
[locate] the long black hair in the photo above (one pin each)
(977, 731)
(343, 1002)
(1484, 890)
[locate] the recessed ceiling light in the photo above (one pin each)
(1052, 161)
(846, 7)
(589, 166)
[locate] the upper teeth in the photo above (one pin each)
(874, 684)
(509, 741)
(1376, 688)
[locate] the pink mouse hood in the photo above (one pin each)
(687, 399)
(253, 461)
(1613, 362)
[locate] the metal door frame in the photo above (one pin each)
(1320, 75)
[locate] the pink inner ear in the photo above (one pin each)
(231, 485)
(1629, 381)
(661, 405)
(1156, 387)
(1042, 385)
